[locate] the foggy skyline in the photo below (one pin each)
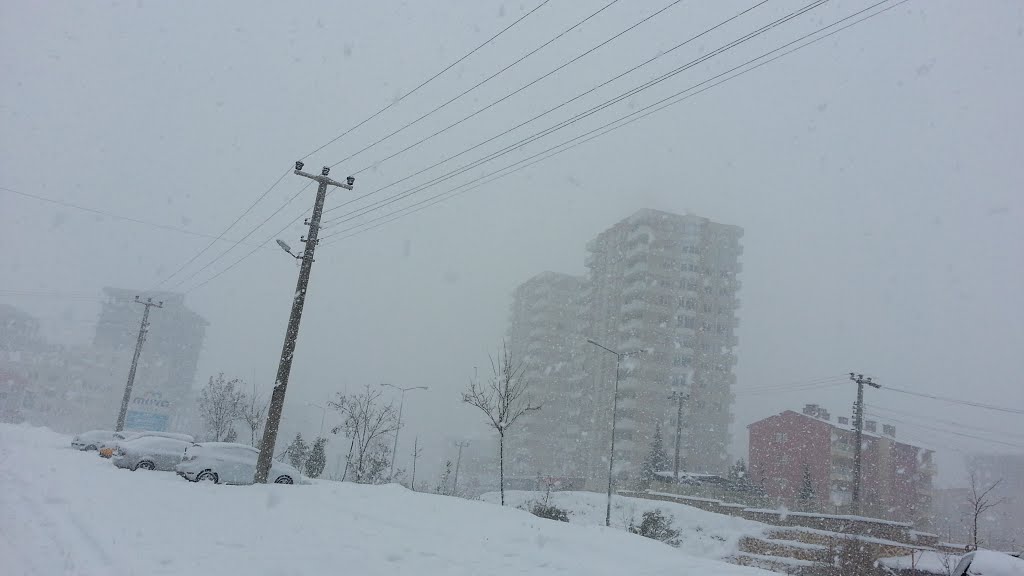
(875, 174)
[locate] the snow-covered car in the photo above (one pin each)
(230, 463)
(107, 448)
(92, 440)
(150, 453)
(988, 563)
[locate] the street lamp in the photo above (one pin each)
(398, 428)
(615, 408)
(323, 416)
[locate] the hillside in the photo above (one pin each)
(69, 512)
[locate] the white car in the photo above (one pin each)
(988, 563)
(230, 463)
(107, 448)
(92, 440)
(150, 453)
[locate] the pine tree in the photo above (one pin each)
(738, 472)
(317, 459)
(806, 494)
(298, 451)
(657, 459)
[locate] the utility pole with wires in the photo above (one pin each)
(858, 435)
(679, 396)
(143, 329)
(284, 367)
(458, 460)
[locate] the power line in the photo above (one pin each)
(427, 81)
(586, 137)
(250, 233)
(532, 82)
(946, 431)
(335, 139)
(99, 212)
(581, 115)
(956, 401)
(606, 128)
(477, 85)
(221, 235)
(559, 106)
(930, 419)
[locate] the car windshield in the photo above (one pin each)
(689, 287)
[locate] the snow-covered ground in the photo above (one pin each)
(64, 512)
(702, 533)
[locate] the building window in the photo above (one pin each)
(780, 437)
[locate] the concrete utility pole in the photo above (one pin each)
(415, 456)
(143, 329)
(398, 427)
(858, 423)
(615, 408)
(458, 460)
(284, 367)
(679, 396)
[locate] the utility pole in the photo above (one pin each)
(398, 426)
(143, 329)
(284, 367)
(415, 456)
(858, 423)
(458, 460)
(679, 396)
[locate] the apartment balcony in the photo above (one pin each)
(637, 305)
(842, 450)
(841, 475)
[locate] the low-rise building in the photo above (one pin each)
(788, 449)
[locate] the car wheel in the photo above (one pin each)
(207, 476)
(283, 480)
(145, 465)
(91, 447)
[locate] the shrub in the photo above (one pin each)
(657, 526)
(549, 511)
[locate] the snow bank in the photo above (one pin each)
(69, 512)
(702, 533)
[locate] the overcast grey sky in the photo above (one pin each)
(877, 175)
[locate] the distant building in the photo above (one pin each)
(658, 282)
(666, 284)
(1003, 526)
(161, 397)
(896, 477)
(544, 337)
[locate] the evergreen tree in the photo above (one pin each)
(317, 459)
(738, 472)
(657, 460)
(806, 494)
(298, 451)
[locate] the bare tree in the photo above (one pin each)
(502, 402)
(254, 413)
(367, 423)
(221, 403)
(981, 501)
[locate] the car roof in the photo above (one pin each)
(990, 563)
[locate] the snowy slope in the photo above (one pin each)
(702, 533)
(69, 512)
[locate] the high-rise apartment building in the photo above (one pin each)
(544, 339)
(658, 282)
(665, 284)
(167, 367)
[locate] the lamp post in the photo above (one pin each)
(398, 428)
(323, 416)
(615, 408)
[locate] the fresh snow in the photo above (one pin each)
(68, 512)
(702, 533)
